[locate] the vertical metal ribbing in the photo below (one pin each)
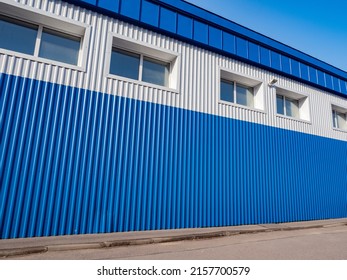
(121, 156)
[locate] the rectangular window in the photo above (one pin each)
(17, 36)
(139, 67)
(125, 64)
(141, 62)
(39, 41)
(155, 72)
(231, 91)
(339, 119)
(287, 106)
(59, 46)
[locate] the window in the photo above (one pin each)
(125, 64)
(139, 67)
(143, 63)
(339, 118)
(155, 72)
(20, 36)
(287, 106)
(59, 46)
(236, 93)
(292, 104)
(241, 90)
(17, 36)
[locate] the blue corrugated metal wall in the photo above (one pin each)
(74, 161)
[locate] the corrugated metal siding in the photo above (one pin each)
(76, 161)
(224, 36)
(199, 74)
(83, 153)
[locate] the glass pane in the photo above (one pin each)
(59, 46)
(280, 104)
(17, 36)
(227, 91)
(335, 124)
(244, 95)
(292, 107)
(155, 72)
(125, 64)
(341, 120)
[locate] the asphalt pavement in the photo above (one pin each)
(38, 245)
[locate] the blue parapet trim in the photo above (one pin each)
(73, 161)
(204, 29)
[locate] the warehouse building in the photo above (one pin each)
(128, 115)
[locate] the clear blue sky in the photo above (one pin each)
(318, 28)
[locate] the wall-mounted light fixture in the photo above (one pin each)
(273, 82)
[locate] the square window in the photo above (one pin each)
(59, 46)
(17, 36)
(125, 64)
(241, 90)
(155, 72)
(287, 106)
(292, 104)
(231, 91)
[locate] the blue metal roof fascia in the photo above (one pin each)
(224, 23)
(117, 13)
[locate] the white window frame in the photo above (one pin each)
(341, 110)
(285, 98)
(142, 58)
(243, 80)
(44, 20)
(303, 104)
(144, 50)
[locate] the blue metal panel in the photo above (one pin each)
(313, 75)
(328, 81)
(131, 8)
(241, 47)
(304, 71)
(168, 20)
(295, 68)
(215, 37)
(286, 67)
(74, 161)
(92, 2)
(321, 78)
(229, 43)
(185, 26)
(111, 5)
(265, 56)
(200, 32)
(253, 51)
(276, 60)
(150, 13)
(336, 84)
(344, 87)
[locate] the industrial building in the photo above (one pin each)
(132, 115)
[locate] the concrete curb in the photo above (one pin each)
(22, 251)
(7, 253)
